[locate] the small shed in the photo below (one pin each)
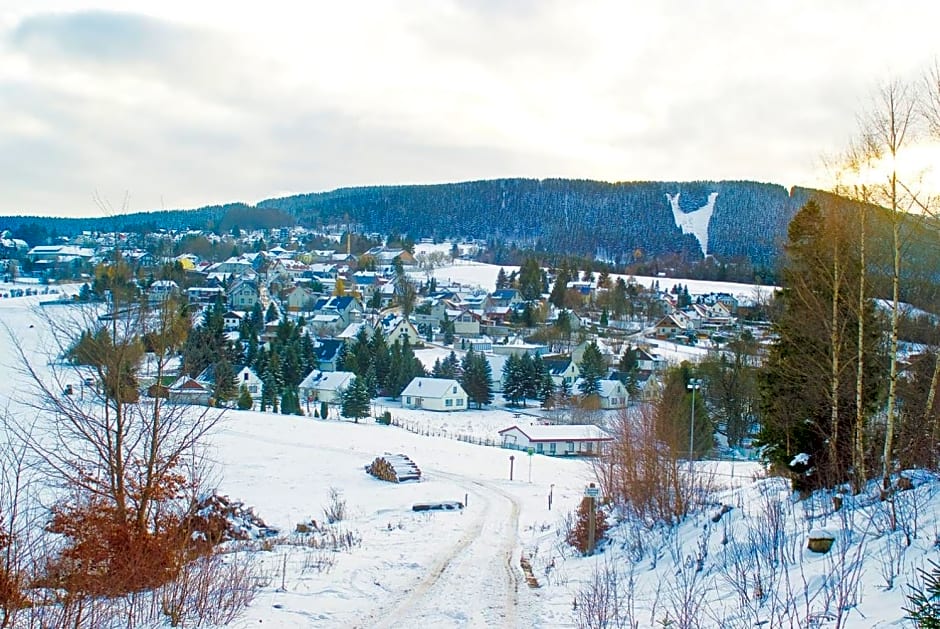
(557, 440)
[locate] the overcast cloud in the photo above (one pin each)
(192, 103)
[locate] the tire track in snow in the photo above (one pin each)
(463, 589)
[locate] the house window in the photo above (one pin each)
(589, 447)
(460, 401)
(552, 447)
(570, 448)
(246, 376)
(455, 391)
(448, 402)
(538, 448)
(408, 399)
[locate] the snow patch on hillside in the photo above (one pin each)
(695, 223)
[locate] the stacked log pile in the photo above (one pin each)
(394, 468)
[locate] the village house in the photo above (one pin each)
(161, 290)
(398, 328)
(243, 295)
(231, 321)
(324, 386)
(612, 394)
(187, 390)
(299, 298)
(558, 440)
(434, 394)
(563, 370)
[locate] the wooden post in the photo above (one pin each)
(591, 526)
(591, 495)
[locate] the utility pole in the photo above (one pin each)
(693, 385)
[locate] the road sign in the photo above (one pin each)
(592, 492)
(530, 451)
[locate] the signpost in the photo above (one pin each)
(591, 492)
(511, 459)
(531, 452)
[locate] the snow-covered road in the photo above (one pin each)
(474, 582)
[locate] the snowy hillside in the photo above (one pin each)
(739, 562)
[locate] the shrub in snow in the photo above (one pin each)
(578, 535)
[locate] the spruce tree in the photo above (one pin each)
(476, 379)
(808, 396)
(593, 368)
(244, 399)
(513, 380)
(356, 401)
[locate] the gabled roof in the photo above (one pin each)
(562, 432)
(327, 380)
(432, 387)
(610, 387)
(556, 366)
(327, 349)
(185, 383)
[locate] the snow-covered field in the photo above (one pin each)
(749, 567)
(469, 273)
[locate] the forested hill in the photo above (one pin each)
(618, 222)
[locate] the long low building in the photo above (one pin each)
(557, 440)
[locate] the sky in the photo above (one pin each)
(107, 106)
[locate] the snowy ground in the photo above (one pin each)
(450, 569)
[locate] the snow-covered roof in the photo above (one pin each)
(327, 380)
(561, 432)
(432, 387)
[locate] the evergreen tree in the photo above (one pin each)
(501, 280)
(593, 367)
(557, 296)
(447, 329)
(629, 367)
(447, 368)
(924, 600)
(534, 369)
(476, 378)
(256, 318)
(271, 315)
(290, 402)
(396, 380)
(546, 390)
(356, 401)
(530, 279)
(359, 356)
(380, 358)
(513, 380)
(225, 387)
(244, 399)
(808, 394)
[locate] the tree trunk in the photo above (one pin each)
(858, 463)
(835, 342)
(931, 396)
(893, 350)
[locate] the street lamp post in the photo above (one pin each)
(693, 385)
